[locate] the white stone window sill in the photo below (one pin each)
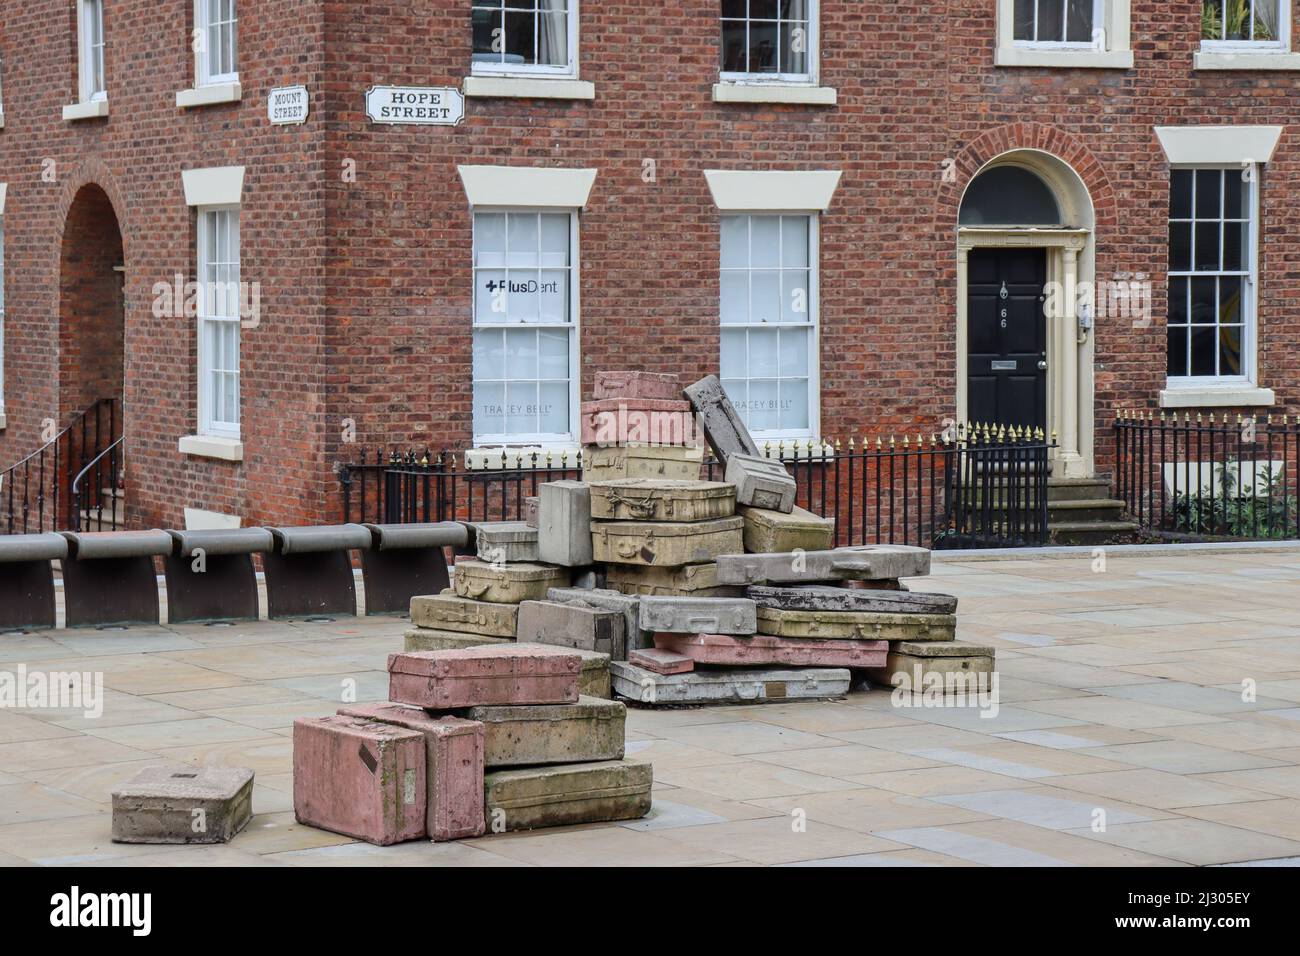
(91, 109)
(2, 120)
(489, 459)
(1212, 397)
(212, 446)
(2, 421)
(209, 95)
(774, 93)
(1204, 60)
(539, 88)
(1071, 59)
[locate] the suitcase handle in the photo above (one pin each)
(474, 592)
(626, 549)
(642, 508)
(703, 623)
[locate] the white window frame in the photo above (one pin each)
(210, 426)
(1252, 54)
(813, 324)
(533, 70)
(1281, 45)
(1249, 287)
(3, 189)
(545, 440)
(204, 14)
(810, 78)
(90, 19)
(1108, 50)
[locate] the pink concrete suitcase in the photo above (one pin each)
(454, 761)
(660, 661)
(614, 422)
(483, 676)
(763, 650)
(637, 384)
(359, 778)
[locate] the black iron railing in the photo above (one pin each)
(1208, 477)
(97, 492)
(981, 487)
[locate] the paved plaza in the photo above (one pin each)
(1121, 737)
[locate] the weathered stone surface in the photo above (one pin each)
(884, 561)
(636, 384)
(629, 605)
(564, 523)
(534, 797)
(693, 615)
(429, 639)
(522, 736)
(919, 667)
(864, 625)
(697, 580)
(725, 431)
(937, 649)
(507, 583)
(530, 511)
(661, 662)
(665, 543)
(576, 624)
(594, 679)
(767, 531)
(727, 685)
(447, 612)
(505, 674)
(186, 805)
(360, 778)
(501, 541)
(824, 598)
(619, 422)
(454, 753)
(642, 461)
(761, 483)
(764, 651)
(658, 499)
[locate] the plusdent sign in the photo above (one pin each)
(415, 105)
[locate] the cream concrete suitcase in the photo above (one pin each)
(695, 580)
(658, 499)
(862, 625)
(771, 532)
(761, 482)
(524, 735)
(428, 639)
(507, 584)
(611, 464)
(447, 612)
(567, 794)
(500, 542)
(667, 543)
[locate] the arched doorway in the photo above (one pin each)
(1025, 269)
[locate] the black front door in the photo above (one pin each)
(1007, 340)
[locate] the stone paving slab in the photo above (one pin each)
(1119, 691)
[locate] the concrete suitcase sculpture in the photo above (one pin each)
(429, 639)
(768, 532)
(761, 482)
(886, 561)
(830, 598)
(728, 685)
(657, 499)
(666, 544)
(360, 778)
(857, 624)
(764, 651)
(454, 750)
(530, 511)
(636, 384)
(725, 431)
(505, 674)
(564, 523)
(694, 615)
(567, 794)
(522, 736)
(500, 542)
(696, 580)
(447, 612)
(620, 422)
(188, 805)
(668, 461)
(661, 661)
(507, 584)
(915, 665)
(573, 624)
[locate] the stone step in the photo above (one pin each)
(1093, 532)
(1101, 509)
(1077, 489)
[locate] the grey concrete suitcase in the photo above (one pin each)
(698, 615)
(761, 482)
(818, 597)
(500, 542)
(564, 523)
(573, 624)
(725, 431)
(874, 562)
(727, 685)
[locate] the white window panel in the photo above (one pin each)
(1246, 25)
(2, 312)
(91, 50)
(768, 361)
(1060, 23)
(219, 319)
(525, 327)
(1075, 34)
(525, 37)
(217, 24)
(769, 40)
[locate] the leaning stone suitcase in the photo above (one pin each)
(524, 736)
(763, 650)
(668, 461)
(503, 541)
(454, 765)
(447, 612)
(573, 624)
(619, 422)
(360, 778)
(857, 624)
(534, 797)
(505, 674)
(816, 597)
(658, 499)
(770, 532)
(727, 685)
(695, 615)
(726, 433)
(509, 583)
(636, 384)
(429, 639)
(761, 482)
(696, 580)
(666, 543)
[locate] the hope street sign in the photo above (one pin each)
(415, 105)
(287, 106)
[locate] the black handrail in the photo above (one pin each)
(94, 502)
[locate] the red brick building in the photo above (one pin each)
(851, 210)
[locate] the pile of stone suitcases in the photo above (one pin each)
(475, 740)
(682, 591)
